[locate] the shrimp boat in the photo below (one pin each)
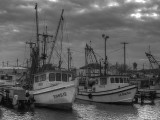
(103, 88)
(52, 86)
(110, 89)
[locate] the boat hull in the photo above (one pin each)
(119, 95)
(60, 98)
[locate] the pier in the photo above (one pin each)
(145, 94)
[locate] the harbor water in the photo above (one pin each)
(87, 111)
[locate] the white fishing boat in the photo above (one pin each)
(96, 85)
(109, 89)
(53, 86)
(54, 89)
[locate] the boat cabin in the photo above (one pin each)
(8, 80)
(103, 83)
(47, 79)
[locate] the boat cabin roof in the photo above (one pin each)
(107, 76)
(53, 71)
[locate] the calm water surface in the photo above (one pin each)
(87, 111)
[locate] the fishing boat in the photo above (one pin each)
(52, 86)
(12, 93)
(109, 89)
(54, 89)
(97, 86)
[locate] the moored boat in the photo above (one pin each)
(52, 86)
(54, 89)
(109, 89)
(97, 85)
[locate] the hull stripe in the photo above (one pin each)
(107, 93)
(52, 90)
(112, 89)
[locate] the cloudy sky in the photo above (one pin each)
(136, 22)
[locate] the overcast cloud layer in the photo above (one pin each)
(134, 21)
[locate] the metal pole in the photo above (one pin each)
(124, 43)
(105, 56)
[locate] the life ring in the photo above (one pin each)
(90, 96)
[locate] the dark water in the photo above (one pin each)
(87, 111)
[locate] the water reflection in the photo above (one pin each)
(97, 111)
(86, 111)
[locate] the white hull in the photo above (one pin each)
(119, 95)
(55, 97)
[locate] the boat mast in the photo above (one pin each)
(37, 31)
(45, 38)
(69, 59)
(105, 56)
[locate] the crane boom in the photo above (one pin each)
(55, 37)
(152, 60)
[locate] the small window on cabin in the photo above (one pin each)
(69, 77)
(117, 80)
(103, 81)
(2, 77)
(112, 80)
(51, 77)
(6, 77)
(10, 77)
(58, 76)
(125, 80)
(64, 77)
(36, 79)
(121, 80)
(43, 77)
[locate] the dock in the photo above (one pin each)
(145, 94)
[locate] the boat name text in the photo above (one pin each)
(60, 95)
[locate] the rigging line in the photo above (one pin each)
(76, 51)
(98, 55)
(115, 50)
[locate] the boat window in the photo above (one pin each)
(43, 77)
(82, 82)
(69, 77)
(51, 77)
(6, 77)
(121, 80)
(103, 81)
(58, 76)
(117, 80)
(64, 77)
(37, 79)
(112, 80)
(125, 80)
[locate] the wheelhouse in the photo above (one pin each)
(53, 77)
